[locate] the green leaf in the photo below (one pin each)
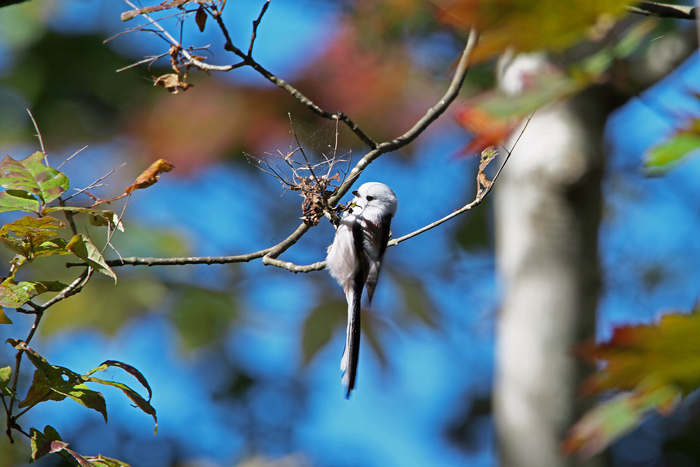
(31, 175)
(53, 382)
(18, 200)
(666, 155)
(30, 226)
(15, 176)
(128, 368)
(371, 328)
(52, 183)
(33, 236)
(55, 246)
(40, 391)
(16, 245)
(525, 26)
(45, 443)
(5, 374)
(16, 295)
(83, 248)
(417, 302)
(50, 442)
(135, 397)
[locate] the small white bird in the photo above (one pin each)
(355, 259)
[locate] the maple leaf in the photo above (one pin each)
(653, 366)
(648, 355)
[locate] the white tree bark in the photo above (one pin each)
(547, 212)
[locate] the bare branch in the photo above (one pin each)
(137, 261)
(256, 23)
(269, 256)
(247, 60)
(430, 116)
(71, 156)
(319, 266)
(38, 135)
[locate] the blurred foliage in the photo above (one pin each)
(679, 145)
(72, 102)
(526, 26)
(201, 316)
(654, 366)
(376, 68)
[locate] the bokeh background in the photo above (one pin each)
(242, 358)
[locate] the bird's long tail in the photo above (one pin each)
(348, 364)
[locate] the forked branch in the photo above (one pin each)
(269, 255)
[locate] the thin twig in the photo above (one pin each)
(477, 201)
(256, 23)
(71, 156)
(38, 135)
(61, 201)
(95, 183)
(152, 59)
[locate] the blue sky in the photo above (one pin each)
(395, 416)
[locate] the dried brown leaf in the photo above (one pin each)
(150, 176)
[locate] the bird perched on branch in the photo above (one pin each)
(355, 259)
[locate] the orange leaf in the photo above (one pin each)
(488, 130)
(150, 176)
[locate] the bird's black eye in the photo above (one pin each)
(356, 193)
(370, 198)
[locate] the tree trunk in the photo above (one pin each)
(547, 213)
